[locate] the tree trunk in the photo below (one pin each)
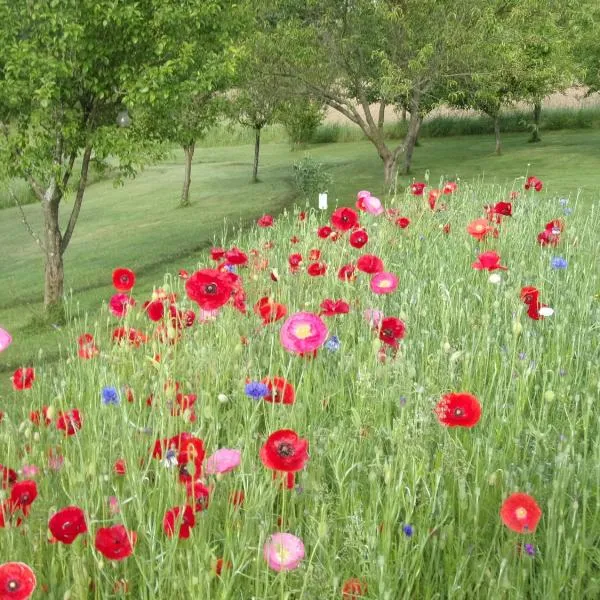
(497, 134)
(404, 114)
(256, 154)
(390, 167)
(189, 155)
(414, 125)
(53, 269)
(537, 113)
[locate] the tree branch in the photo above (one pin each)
(381, 117)
(66, 238)
(33, 234)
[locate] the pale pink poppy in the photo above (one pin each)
(283, 551)
(113, 505)
(119, 304)
(361, 197)
(373, 205)
(5, 339)
(373, 317)
(222, 461)
(384, 283)
(204, 316)
(30, 471)
(303, 332)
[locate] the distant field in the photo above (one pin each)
(138, 225)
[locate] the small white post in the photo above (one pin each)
(323, 200)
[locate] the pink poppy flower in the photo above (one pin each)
(373, 205)
(384, 283)
(303, 332)
(119, 304)
(360, 199)
(222, 461)
(5, 339)
(283, 551)
(373, 317)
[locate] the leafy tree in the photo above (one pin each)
(67, 70)
(355, 54)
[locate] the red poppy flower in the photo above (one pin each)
(368, 263)
(391, 331)
(324, 232)
(344, 218)
(417, 188)
(359, 238)
(269, 311)
(209, 288)
(521, 513)
(86, 346)
(281, 391)
(449, 187)
(535, 183)
(221, 564)
(402, 222)
(353, 589)
(69, 421)
(17, 581)
(529, 294)
(155, 310)
(22, 495)
(265, 221)
(503, 208)
(458, 410)
(434, 196)
(329, 308)
(120, 303)
(556, 226)
(301, 216)
(8, 477)
(217, 253)
(347, 273)
(295, 260)
(120, 467)
(123, 279)
(22, 378)
(66, 524)
(314, 254)
(115, 543)
(533, 310)
(131, 335)
(236, 257)
(488, 261)
(479, 229)
(183, 274)
(198, 495)
(284, 451)
(317, 269)
(446, 228)
(547, 238)
(184, 519)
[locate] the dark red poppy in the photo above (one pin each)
(347, 272)
(488, 261)
(221, 564)
(8, 477)
(265, 221)
(183, 402)
(529, 294)
(115, 543)
(284, 451)
(324, 232)
(353, 589)
(555, 226)
(120, 467)
(314, 254)
(535, 183)
(217, 253)
(22, 378)
(503, 208)
(209, 288)
(417, 188)
(547, 238)
(521, 513)
(446, 228)
(281, 391)
(69, 421)
(359, 238)
(22, 495)
(17, 581)
(301, 216)
(402, 222)
(269, 310)
(236, 257)
(295, 260)
(330, 308)
(66, 524)
(317, 269)
(180, 520)
(294, 239)
(198, 495)
(391, 331)
(344, 218)
(533, 310)
(458, 410)
(155, 310)
(123, 279)
(368, 263)
(86, 346)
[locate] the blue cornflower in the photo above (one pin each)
(563, 201)
(408, 530)
(530, 549)
(110, 395)
(256, 390)
(333, 344)
(231, 268)
(558, 262)
(567, 212)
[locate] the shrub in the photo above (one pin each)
(311, 177)
(301, 118)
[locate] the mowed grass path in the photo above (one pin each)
(139, 226)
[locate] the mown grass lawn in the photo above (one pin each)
(138, 225)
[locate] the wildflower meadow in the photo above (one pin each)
(392, 399)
